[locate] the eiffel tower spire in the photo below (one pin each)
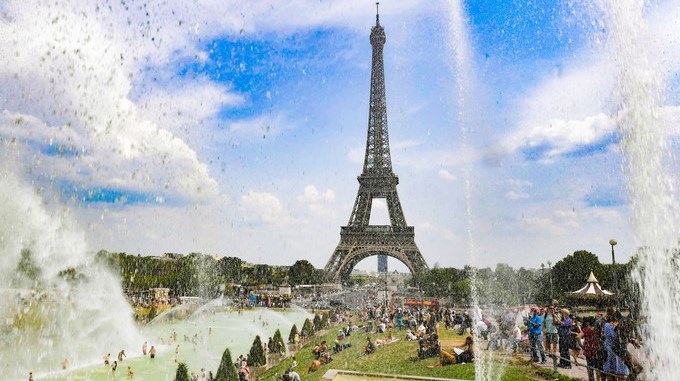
(358, 239)
(377, 158)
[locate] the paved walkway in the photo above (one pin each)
(580, 372)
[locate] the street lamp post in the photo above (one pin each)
(613, 243)
(551, 282)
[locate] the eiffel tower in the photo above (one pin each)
(358, 239)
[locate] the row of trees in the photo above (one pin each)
(505, 285)
(202, 275)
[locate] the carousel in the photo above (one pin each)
(592, 295)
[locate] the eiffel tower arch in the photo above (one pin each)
(359, 240)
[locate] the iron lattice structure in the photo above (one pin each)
(359, 240)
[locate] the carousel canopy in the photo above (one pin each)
(592, 288)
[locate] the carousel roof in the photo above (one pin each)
(592, 288)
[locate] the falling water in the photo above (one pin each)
(646, 154)
(486, 368)
(58, 302)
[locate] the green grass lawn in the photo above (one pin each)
(397, 358)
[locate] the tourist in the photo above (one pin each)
(591, 345)
(459, 355)
(614, 364)
(370, 347)
(210, 376)
(144, 349)
(114, 366)
(177, 353)
(65, 364)
(515, 338)
(121, 354)
(152, 352)
(30, 376)
(576, 347)
(293, 375)
(107, 358)
(410, 336)
(535, 329)
(566, 338)
(130, 373)
(294, 364)
(550, 322)
(244, 372)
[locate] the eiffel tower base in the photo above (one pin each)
(358, 243)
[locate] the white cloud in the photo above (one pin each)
(187, 106)
(312, 195)
(262, 207)
(560, 136)
(60, 69)
(567, 221)
(444, 174)
(261, 127)
(514, 196)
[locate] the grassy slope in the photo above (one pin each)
(395, 358)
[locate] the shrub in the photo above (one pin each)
(279, 345)
(256, 354)
(291, 335)
(226, 370)
(182, 372)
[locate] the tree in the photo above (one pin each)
(301, 272)
(230, 268)
(27, 266)
(317, 323)
(571, 273)
(307, 329)
(182, 372)
(279, 345)
(226, 371)
(256, 354)
(291, 335)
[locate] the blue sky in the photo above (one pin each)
(238, 128)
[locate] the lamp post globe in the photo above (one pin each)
(613, 243)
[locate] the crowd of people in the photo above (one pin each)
(606, 343)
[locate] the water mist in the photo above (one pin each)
(486, 368)
(646, 156)
(58, 302)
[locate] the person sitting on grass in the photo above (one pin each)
(316, 364)
(410, 336)
(459, 355)
(370, 347)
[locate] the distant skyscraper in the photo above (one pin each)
(382, 263)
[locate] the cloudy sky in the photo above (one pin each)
(238, 127)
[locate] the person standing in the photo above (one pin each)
(576, 347)
(144, 347)
(550, 323)
(566, 338)
(614, 364)
(591, 345)
(535, 329)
